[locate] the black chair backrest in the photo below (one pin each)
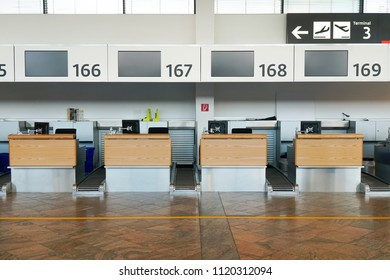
(242, 130)
(65, 131)
(158, 130)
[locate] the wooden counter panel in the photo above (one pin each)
(30, 152)
(234, 136)
(233, 152)
(330, 136)
(328, 152)
(137, 152)
(41, 136)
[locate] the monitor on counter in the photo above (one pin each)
(232, 64)
(139, 63)
(46, 63)
(41, 127)
(311, 127)
(218, 127)
(130, 126)
(326, 63)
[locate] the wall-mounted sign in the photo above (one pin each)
(153, 63)
(338, 28)
(7, 63)
(61, 63)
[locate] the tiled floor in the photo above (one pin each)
(188, 225)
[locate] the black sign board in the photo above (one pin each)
(338, 28)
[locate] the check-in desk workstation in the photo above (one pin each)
(326, 162)
(45, 162)
(137, 162)
(233, 162)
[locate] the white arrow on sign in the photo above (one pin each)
(296, 32)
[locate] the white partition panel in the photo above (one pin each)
(7, 63)
(154, 63)
(336, 62)
(61, 63)
(247, 63)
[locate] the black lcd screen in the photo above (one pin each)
(326, 63)
(139, 64)
(46, 63)
(232, 64)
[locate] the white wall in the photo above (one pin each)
(297, 101)
(98, 29)
(100, 101)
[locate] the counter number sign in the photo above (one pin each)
(3, 71)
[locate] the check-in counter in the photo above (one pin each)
(44, 163)
(328, 162)
(137, 162)
(233, 162)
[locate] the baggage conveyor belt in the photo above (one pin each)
(93, 183)
(5, 183)
(373, 184)
(278, 182)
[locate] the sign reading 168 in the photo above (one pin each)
(3, 71)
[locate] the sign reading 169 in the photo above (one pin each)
(3, 71)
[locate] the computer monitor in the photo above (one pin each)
(156, 130)
(218, 127)
(130, 126)
(242, 130)
(311, 127)
(41, 127)
(65, 131)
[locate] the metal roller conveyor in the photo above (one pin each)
(278, 182)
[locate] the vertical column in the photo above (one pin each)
(204, 91)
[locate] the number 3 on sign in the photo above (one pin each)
(367, 34)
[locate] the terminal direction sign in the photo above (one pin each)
(338, 28)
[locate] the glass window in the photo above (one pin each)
(321, 6)
(376, 6)
(160, 6)
(21, 7)
(247, 6)
(85, 6)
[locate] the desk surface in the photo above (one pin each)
(41, 136)
(234, 136)
(329, 136)
(137, 136)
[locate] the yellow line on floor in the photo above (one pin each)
(194, 217)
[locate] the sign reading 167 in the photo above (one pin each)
(3, 72)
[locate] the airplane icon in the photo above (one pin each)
(324, 29)
(343, 28)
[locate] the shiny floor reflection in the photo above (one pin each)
(189, 225)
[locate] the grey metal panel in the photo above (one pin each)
(43, 179)
(242, 178)
(138, 179)
(10, 127)
(183, 145)
(331, 179)
(101, 145)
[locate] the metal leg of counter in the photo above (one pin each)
(138, 179)
(46, 179)
(233, 179)
(328, 179)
